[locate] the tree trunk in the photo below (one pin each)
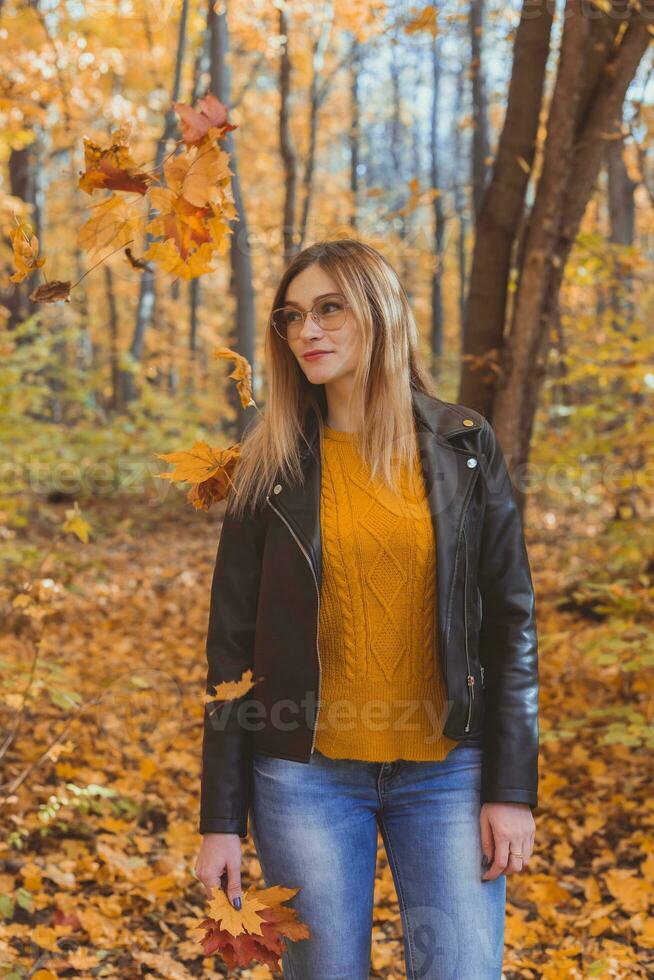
(287, 149)
(355, 129)
(114, 348)
(23, 169)
(480, 140)
(501, 209)
(239, 252)
(595, 69)
(436, 341)
(316, 97)
(622, 218)
(459, 195)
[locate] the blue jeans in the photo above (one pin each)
(314, 825)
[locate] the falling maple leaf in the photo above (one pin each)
(426, 20)
(196, 464)
(75, 524)
(52, 292)
(197, 125)
(191, 235)
(195, 263)
(26, 249)
(242, 374)
(113, 222)
(229, 690)
(200, 174)
(112, 168)
(254, 933)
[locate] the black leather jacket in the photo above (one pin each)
(264, 615)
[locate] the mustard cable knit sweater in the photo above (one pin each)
(382, 694)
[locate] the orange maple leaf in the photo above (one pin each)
(200, 174)
(113, 222)
(196, 125)
(229, 690)
(242, 373)
(26, 249)
(112, 168)
(191, 235)
(208, 470)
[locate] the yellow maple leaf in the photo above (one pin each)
(197, 173)
(26, 249)
(236, 921)
(113, 222)
(197, 464)
(167, 255)
(242, 373)
(75, 524)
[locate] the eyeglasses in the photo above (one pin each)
(329, 313)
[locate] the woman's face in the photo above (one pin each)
(343, 345)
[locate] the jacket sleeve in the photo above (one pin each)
(227, 744)
(508, 641)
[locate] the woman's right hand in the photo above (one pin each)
(221, 854)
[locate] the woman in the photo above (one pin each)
(372, 573)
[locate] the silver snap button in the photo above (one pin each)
(471, 462)
(277, 488)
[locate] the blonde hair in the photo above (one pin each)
(388, 368)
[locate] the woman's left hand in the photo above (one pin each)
(507, 837)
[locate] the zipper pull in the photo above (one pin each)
(482, 674)
(471, 682)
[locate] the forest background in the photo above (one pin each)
(159, 164)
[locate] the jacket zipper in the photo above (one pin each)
(456, 562)
(481, 613)
(470, 679)
(308, 558)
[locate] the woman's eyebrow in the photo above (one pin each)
(290, 302)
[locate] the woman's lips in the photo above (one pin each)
(314, 357)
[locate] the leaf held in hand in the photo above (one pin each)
(253, 934)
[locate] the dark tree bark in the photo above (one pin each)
(596, 65)
(287, 150)
(480, 140)
(23, 183)
(501, 209)
(459, 196)
(622, 220)
(114, 348)
(239, 251)
(436, 344)
(354, 135)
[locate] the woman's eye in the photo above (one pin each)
(292, 317)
